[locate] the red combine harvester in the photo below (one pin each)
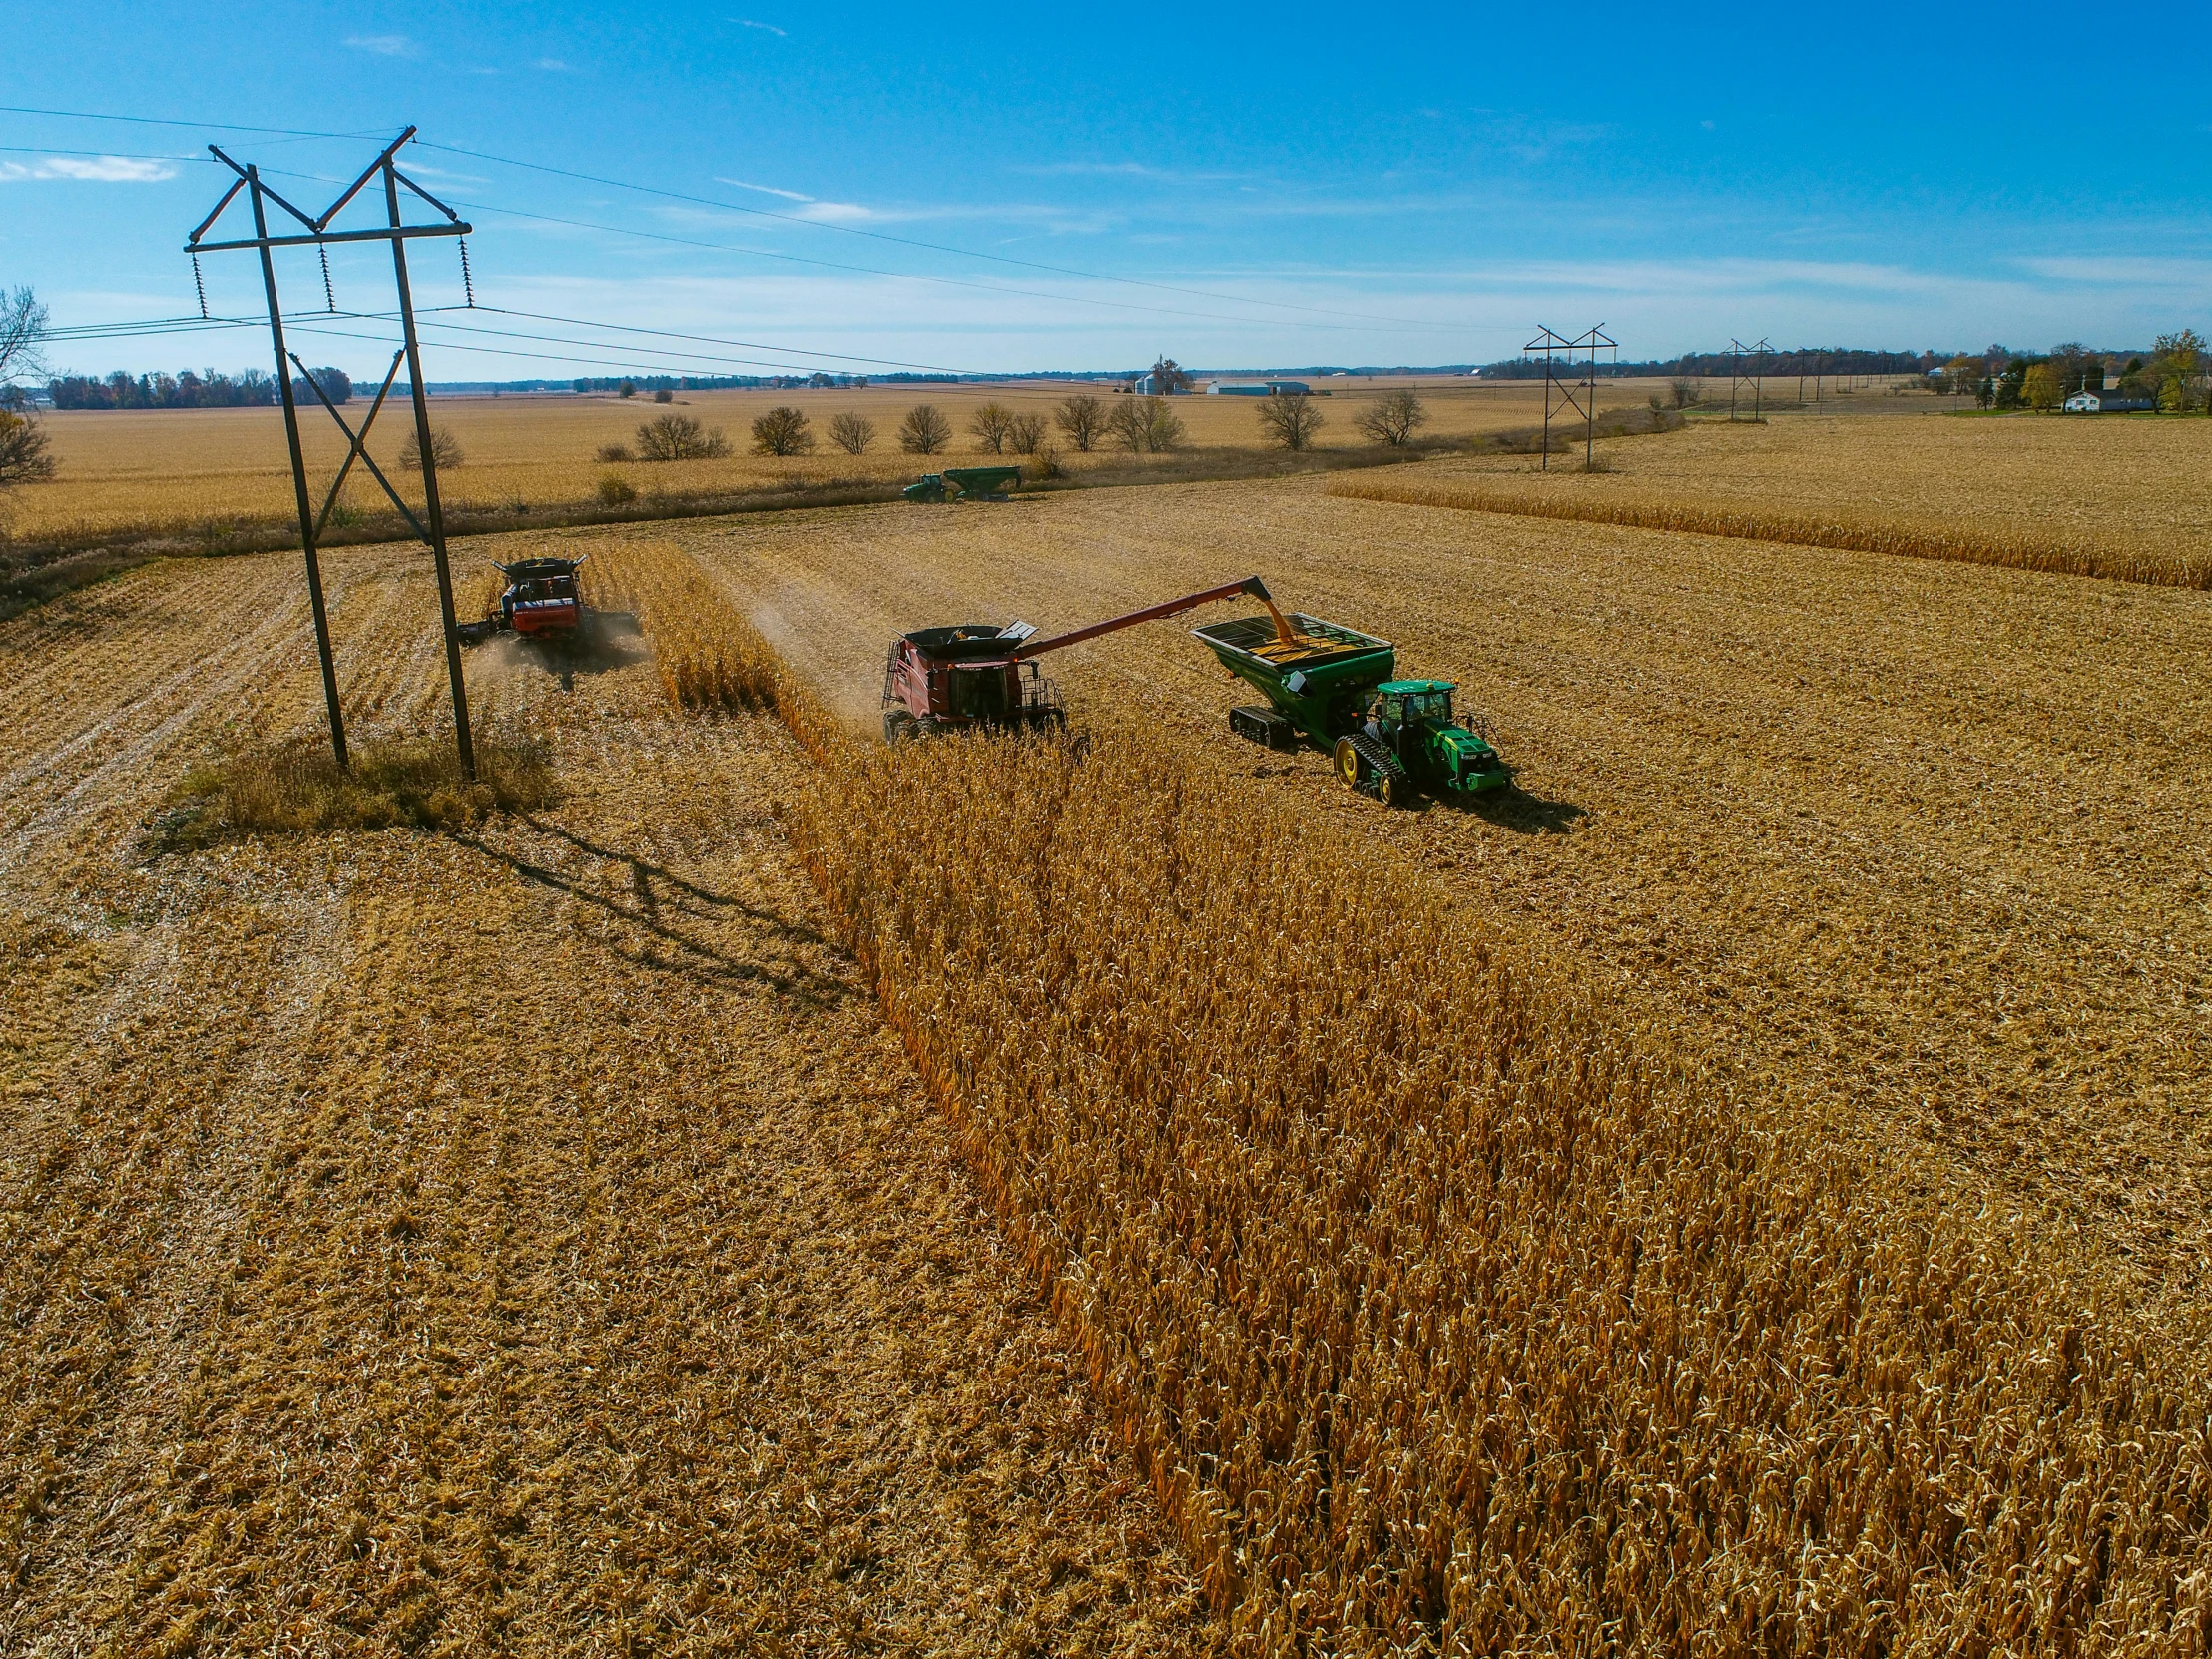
(541, 602)
(946, 679)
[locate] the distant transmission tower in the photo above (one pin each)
(1578, 393)
(319, 236)
(1738, 376)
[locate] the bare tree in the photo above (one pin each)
(23, 456)
(674, 438)
(22, 332)
(783, 432)
(924, 431)
(851, 432)
(1083, 418)
(1392, 420)
(1290, 419)
(446, 449)
(664, 395)
(992, 424)
(1684, 392)
(1144, 424)
(616, 452)
(1025, 434)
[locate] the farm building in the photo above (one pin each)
(1257, 388)
(1152, 385)
(2107, 402)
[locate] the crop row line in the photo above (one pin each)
(2156, 569)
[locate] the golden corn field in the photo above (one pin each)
(2048, 493)
(1445, 1317)
(2164, 568)
(1743, 1190)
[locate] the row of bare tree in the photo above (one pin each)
(1140, 424)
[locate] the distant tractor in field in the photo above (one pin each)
(964, 483)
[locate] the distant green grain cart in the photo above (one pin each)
(963, 483)
(1319, 687)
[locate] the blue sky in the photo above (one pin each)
(1233, 187)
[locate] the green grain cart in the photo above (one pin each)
(1336, 687)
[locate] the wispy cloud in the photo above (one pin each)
(828, 212)
(765, 28)
(384, 46)
(764, 190)
(554, 66)
(109, 170)
(2132, 270)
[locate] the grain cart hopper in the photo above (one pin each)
(1391, 738)
(942, 679)
(963, 483)
(542, 601)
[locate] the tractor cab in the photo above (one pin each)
(1412, 719)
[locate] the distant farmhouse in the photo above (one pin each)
(2108, 403)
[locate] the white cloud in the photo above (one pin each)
(765, 28)
(554, 66)
(384, 46)
(835, 212)
(764, 190)
(114, 170)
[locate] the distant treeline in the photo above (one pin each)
(1776, 365)
(207, 389)
(186, 390)
(699, 382)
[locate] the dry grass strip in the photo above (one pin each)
(1445, 1316)
(1917, 542)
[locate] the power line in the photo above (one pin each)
(157, 326)
(907, 276)
(153, 121)
(938, 246)
(867, 270)
(1392, 324)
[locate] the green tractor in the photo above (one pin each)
(1334, 685)
(1409, 743)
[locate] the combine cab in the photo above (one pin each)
(942, 679)
(542, 602)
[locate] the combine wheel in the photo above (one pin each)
(899, 726)
(1392, 786)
